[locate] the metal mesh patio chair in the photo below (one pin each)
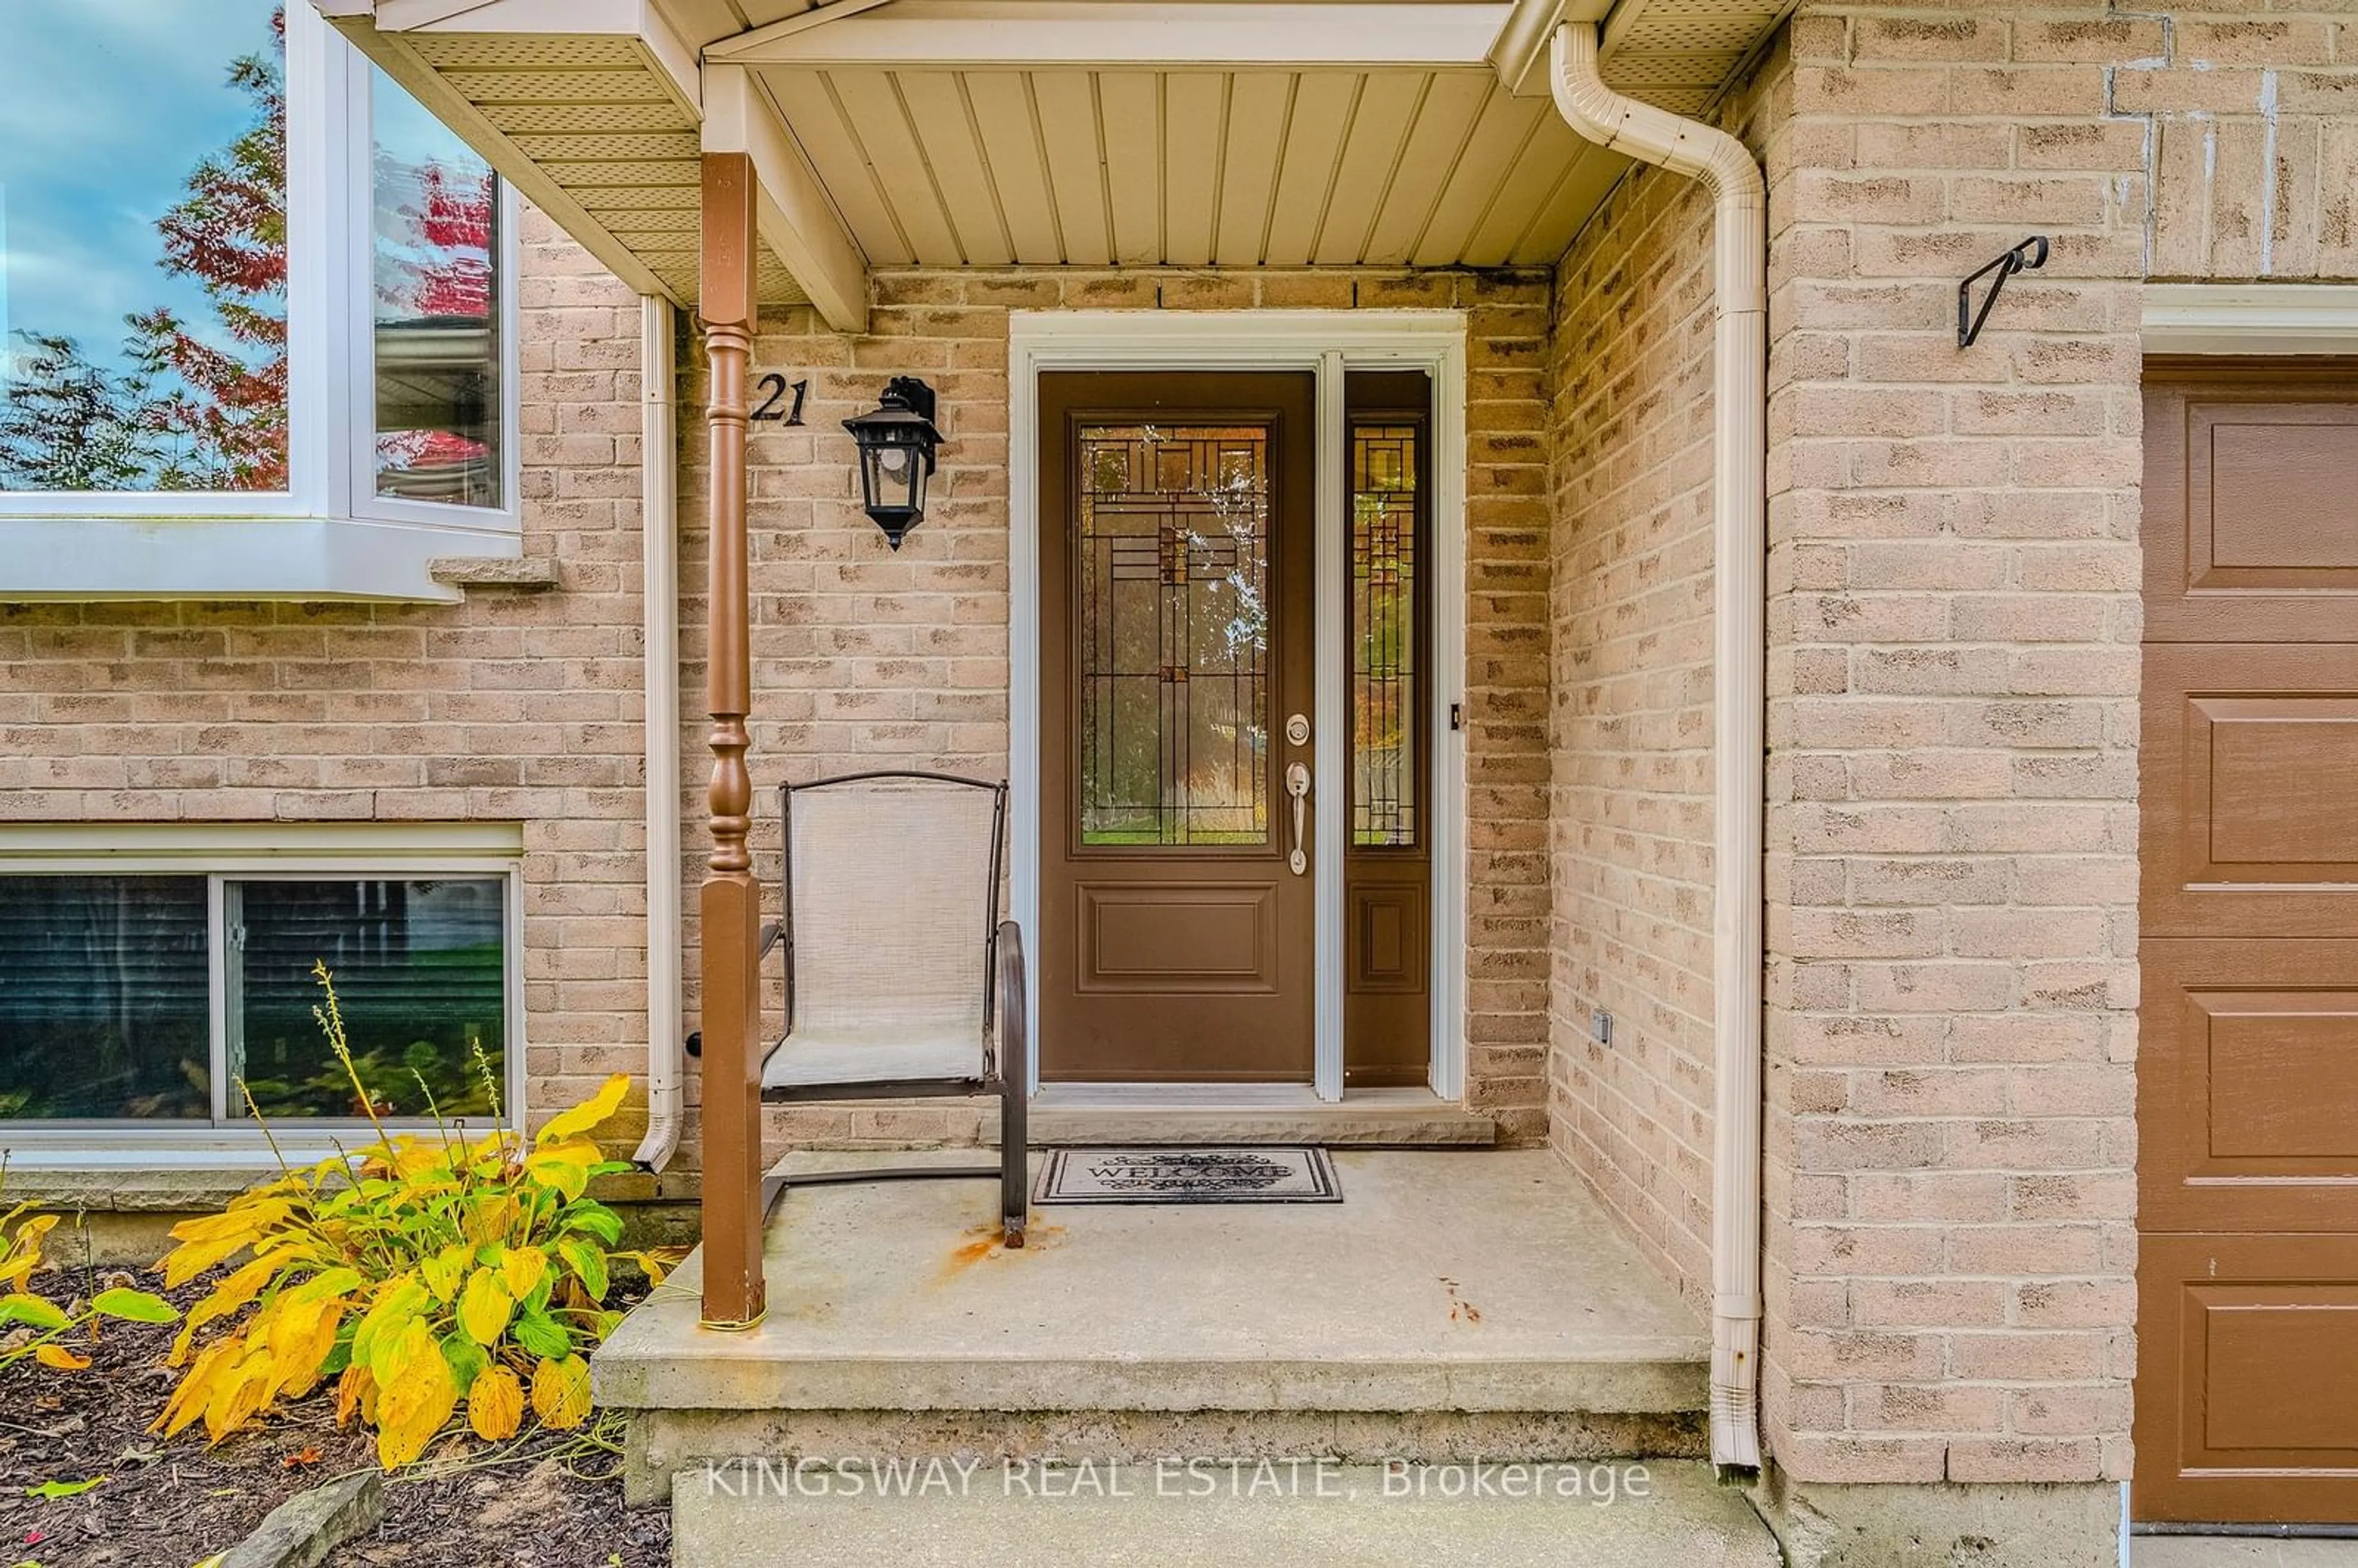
(902, 982)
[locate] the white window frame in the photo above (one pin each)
(266, 851)
(328, 535)
(353, 82)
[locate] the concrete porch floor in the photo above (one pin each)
(1454, 1301)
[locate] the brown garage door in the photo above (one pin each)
(2247, 1079)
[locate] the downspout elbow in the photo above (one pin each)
(657, 1149)
(1644, 131)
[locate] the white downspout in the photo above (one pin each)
(659, 548)
(1739, 581)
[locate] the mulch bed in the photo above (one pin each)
(546, 1500)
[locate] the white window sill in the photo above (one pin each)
(127, 1151)
(174, 1173)
(253, 558)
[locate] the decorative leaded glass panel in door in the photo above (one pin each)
(1174, 569)
(1177, 532)
(1383, 634)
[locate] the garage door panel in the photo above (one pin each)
(2271, 508)
(2247, 1378)
(2247, 1055)
(2250, 821)
(2248, 1071)
(2251, 518)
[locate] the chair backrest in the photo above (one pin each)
(891, 896)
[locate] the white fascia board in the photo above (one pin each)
(1156, 34)
(405, 15)
(2251, 319)
(741, 44)
(796, 221)
(243, 558)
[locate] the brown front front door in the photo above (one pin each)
(2247, 1064)
(1175, 581)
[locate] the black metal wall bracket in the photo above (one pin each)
(2030, 256)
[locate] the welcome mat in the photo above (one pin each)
(1258, 1174)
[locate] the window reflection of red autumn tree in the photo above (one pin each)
(454, 217)
(200, 407)
(439, 276)
(227, 414)
(203, 404)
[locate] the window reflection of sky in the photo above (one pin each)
(105, 107)
(407, 134)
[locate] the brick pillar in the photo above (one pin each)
(1953, 714)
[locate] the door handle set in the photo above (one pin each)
(1297, 784)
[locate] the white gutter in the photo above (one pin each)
(659, 548)
(1739, 583)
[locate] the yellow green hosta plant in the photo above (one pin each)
(431, 1273)
(37, 1328)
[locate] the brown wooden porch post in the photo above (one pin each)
(730, 907)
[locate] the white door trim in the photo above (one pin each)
(1325, 342)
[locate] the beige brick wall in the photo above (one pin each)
(863, 657)
(1953, 715)
(1953, 677)
(509, 708)
(1631, 711)
(2254, 116)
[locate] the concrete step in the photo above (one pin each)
(1657, 1514)
(1065, 1115)
(1453, 1304)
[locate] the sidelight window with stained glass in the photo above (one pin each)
(1173, 566)
(1384, 465)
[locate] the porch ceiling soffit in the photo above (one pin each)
(1096, 133)
(975, 132)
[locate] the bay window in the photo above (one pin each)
(244, 279)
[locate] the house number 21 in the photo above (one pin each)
(775, 405)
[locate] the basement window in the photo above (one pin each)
(171, 998)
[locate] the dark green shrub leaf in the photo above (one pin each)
(541, 1334)
(135, 1306)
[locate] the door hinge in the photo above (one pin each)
(1457, 716)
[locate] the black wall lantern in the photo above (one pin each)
(896, 456)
